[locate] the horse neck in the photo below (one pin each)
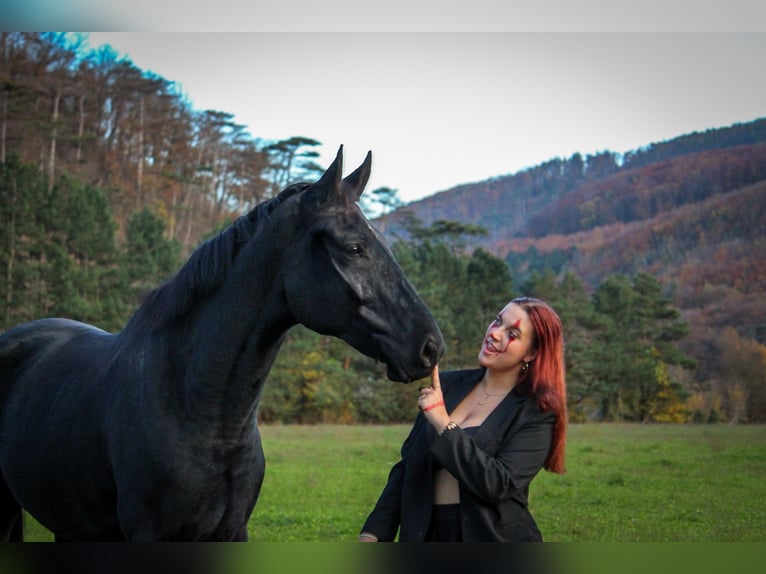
(230, 341)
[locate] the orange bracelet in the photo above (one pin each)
(433, 406)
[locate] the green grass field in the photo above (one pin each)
(625, 483)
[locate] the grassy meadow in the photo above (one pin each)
(624, 483)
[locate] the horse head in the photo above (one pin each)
(358, 291)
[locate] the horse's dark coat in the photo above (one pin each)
(150, 433)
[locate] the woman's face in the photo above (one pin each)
(509, 340)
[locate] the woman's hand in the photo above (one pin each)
(431, 402)
(367, 537)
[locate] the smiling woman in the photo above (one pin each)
(481, 437)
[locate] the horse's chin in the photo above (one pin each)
(383, 350)
(399, 374)
(401, 369)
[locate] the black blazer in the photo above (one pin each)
(494, 469)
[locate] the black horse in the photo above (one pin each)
(151, 433)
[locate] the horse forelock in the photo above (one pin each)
(207, 267)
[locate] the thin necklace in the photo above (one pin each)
(485, 399)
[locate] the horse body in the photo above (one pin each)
(48, 452)
(116, 450)
(150, 433)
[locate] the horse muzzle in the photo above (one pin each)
(407, 365)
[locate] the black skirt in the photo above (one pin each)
(445, 524)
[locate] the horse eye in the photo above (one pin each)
(355, 249)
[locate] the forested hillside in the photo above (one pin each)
(109, 178)
(690, 212)
(563, 196)
(70, 110)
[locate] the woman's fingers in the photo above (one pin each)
(431, 397)
(435, 382)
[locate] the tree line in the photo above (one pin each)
(624, 361)
(61, 253)
(70, 109)
(642, 194)
(63, 257)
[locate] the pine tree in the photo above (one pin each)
(83, 253)
(22, 198)
(637, 341)
(150, 258)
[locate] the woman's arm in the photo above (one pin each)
(383, 522)
(497, 478)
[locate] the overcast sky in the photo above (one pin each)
(441, 109)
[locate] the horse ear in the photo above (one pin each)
(325, 187)
(356, 181)
(332, 177)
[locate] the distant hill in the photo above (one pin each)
(690, 211)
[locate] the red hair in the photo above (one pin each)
(545, 377)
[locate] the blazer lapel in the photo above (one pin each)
(491, 433)
(455, 390)
(459, 388)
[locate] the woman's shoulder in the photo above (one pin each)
(530, 405)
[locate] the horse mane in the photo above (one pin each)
(206, 269)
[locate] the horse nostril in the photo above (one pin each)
(430, 353)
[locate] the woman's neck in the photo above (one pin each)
(500, 381)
